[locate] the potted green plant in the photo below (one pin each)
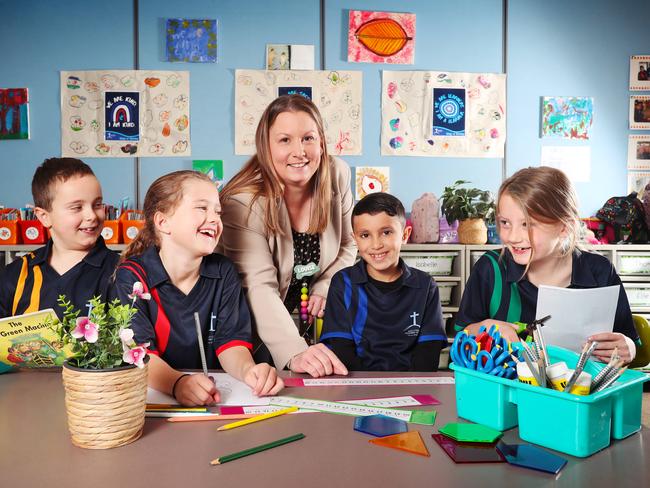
(105, 374)
(470, 207)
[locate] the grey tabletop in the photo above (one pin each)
(35, 449)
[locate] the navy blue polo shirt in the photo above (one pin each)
(590, 270)
(217, 296)
(30, 283)
(385, 326)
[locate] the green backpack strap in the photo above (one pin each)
(514, 307)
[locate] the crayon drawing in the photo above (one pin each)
(381, 37)
(14, 113)
(192, 40)
(567, 117)
(371, 179)
(278, 56)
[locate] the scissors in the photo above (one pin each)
(488, 352)
(463, 348)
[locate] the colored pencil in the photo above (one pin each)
(257, 418)
(199, 418)
(177, 408)
(255, 450)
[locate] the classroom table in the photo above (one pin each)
(35, 448)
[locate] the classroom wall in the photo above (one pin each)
(553, 48)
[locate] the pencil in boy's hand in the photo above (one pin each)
(254, 450)
(257, 418)
(199, 336)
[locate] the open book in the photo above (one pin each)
(27, 341)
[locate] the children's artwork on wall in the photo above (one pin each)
(14, 113)
(371, 179)
(638, 152)
(637, 181)
(640, 73)
(337, 94)
(192, 40)
(640, 112)
(443, 114)
(125, 113)
(448, 112)
(211, 167)
(290, 56)
(381, 37)
(567, 117)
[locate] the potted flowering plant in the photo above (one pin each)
(471, 207)
(105, 376)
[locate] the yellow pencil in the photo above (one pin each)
(258, 418)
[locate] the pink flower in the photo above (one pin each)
(138, 292)
(135, 356)
(126, 336)
(86, 329)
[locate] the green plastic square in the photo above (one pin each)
(470, 432)
(423, 417)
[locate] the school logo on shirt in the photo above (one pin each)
(413, 329)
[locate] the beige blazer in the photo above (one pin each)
(265, 262)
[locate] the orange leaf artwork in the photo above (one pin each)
(381, 37)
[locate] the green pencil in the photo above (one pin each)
(253, 450)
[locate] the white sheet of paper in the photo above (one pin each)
(302, 56)
(233, 392)
(576, 313)
(574, 161)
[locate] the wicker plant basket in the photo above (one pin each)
(472, 231)
(105, 407)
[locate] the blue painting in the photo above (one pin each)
(192, 40)
(304, 91)
(448, 112)
(567, 117)
(122, 113)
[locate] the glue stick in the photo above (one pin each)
(525, 375)
(556, 373)
(582, 386)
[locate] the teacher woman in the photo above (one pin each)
(287, 227)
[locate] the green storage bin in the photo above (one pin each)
(576, 425)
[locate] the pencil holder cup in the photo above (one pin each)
(111, 232)
(130, 226)
(106, 407)
(32, 232)
(9, 232)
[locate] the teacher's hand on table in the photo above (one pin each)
(317, 361)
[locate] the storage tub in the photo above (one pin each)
(576, 425)
(638, 294)
(437, 264)
(631, 263)
(446, 290)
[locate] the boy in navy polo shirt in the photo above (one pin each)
(75, 262)
(381, 314)
(173, 260)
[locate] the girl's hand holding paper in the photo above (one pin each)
(607, 341)
(263, 379)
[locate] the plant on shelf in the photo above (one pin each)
(471, 207)
(105, 375)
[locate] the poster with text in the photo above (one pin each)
(125, 113)
(337, 94)
(443, 114)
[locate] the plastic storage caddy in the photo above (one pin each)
(575, 425)
(437, 264)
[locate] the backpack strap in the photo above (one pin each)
(514, 304)
(162, 326)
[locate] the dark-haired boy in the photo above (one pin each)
(381, 314)
(75, 262)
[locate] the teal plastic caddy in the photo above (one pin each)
(576, 425)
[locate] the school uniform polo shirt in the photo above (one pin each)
(170, 327)
(30, 284)
(385, 327)
(589, 270)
